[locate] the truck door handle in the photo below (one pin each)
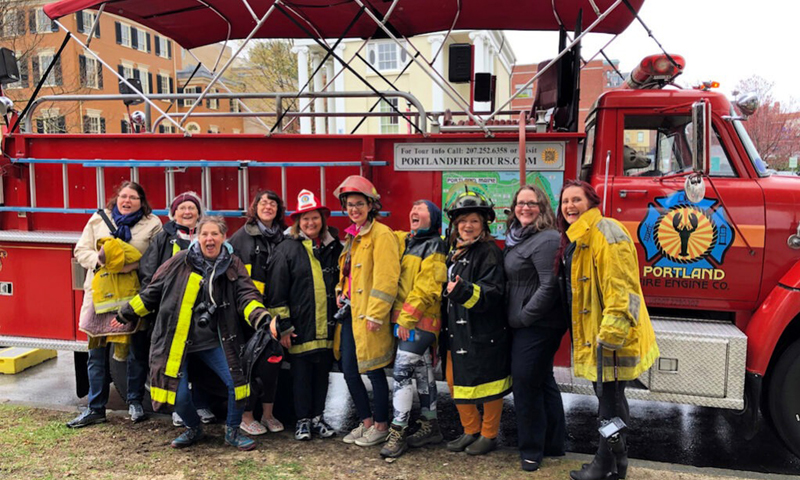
(625, 193)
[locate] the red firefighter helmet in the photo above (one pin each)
(360, 185)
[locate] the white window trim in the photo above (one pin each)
(141, 40)
(49, 82)
(43, 22)
(93, 81)
(94, 116)
(372, 50)
(214, 128)
(163, 52)
(146, 87)
(213, 103)
(10, 26)
(389, 124)
(193, 127)
(125, 34)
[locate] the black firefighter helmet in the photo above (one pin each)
(471, 201)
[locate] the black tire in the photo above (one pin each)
(119, 375)
(783, 397)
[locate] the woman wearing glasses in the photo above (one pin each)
(537, 325)
(255, 245)
(370, 272)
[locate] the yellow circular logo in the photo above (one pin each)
(550, 156)
(685, 233)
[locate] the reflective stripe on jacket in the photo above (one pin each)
(607, 300)
(375, 273)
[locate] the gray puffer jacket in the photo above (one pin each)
(532, 292)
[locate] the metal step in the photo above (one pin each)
(16, 359)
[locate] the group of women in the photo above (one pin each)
(494, 317)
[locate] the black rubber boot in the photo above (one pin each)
(603, 466)
(620, 452)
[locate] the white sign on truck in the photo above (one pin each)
(491, 156)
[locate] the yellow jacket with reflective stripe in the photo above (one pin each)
(375, 273)
(607, 301)
(172, 294)
(422, 277)
(111, 288)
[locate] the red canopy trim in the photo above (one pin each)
(193, 24)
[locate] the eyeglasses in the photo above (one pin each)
(530, 205)
(268, 203)
(132, 198)
(356, 206)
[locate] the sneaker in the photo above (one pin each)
(177, 421)
(427, 432)
(303, 430)
(136, 412)
(253, 428)
(236, 439)
(206, 415)
(273, 424)
(320, 428)
(373, 436)
(396, 445)
(189, 437)
(86, 418)
(355, 433)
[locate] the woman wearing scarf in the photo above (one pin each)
(255, 244)
(416, 317)
(184, 212)
(537, 325)
(301, 290)
(125, 222)
(200, 297)
(477, 343)
(370, 271)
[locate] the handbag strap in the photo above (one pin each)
(111, 227)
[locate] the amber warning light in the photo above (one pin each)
(656, 71)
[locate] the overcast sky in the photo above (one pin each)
(722, 40)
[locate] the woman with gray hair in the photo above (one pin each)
(537, 323)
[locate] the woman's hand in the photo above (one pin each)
(452, 285)
(372, 326)
(339, 302)
(403, 333)
(286, 341)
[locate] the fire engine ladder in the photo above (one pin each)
(170, 168)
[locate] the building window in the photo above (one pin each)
(51, 122)
(640, 137)
(41, 23)
(91, 72)
(94, 123)
(144, 77)
(142, 40)
(237, 130)
(188, 102)
(389, 124)
(213, 129)
(234, 106)
(193, 127)
(164, 83)
(123, 34)
(166, 128)
(163, 47)
(13, 23)
(387, 56)
(85, 20)
(213, 103)
(40, 64)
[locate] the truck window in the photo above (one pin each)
(659, 145)
(588, 153)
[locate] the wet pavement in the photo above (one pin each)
(676, 434)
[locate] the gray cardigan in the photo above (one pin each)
(532, 292)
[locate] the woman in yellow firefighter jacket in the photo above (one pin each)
(302, 284)
(600, 272)
(200, 297)
(478, 364)
(126, 223)
(370, 270)
(416, 317)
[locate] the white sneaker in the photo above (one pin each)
(355, 434)
(373, 436)
(206, 415)
(177, 420)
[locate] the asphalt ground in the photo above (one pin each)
(669, 437)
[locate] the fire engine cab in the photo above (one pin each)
(718, 235)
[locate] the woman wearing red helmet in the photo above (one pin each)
(370, 273)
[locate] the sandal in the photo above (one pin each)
(252, 428)
(273, 424)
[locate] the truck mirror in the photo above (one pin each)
(748, 103)
(701, 135)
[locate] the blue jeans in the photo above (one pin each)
(138, 366)
(184, 405)
(97, 366)
(358, 391)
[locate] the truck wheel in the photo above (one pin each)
(119, 375)
(784, 397)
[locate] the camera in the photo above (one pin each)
(206, 311)
(611, 430)
(343, 312)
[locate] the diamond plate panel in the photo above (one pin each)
(39, 237)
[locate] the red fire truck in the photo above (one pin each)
(717, 234)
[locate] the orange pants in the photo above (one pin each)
(489, 426)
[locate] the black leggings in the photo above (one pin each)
(264, 383)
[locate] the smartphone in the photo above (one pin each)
(411, 335)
